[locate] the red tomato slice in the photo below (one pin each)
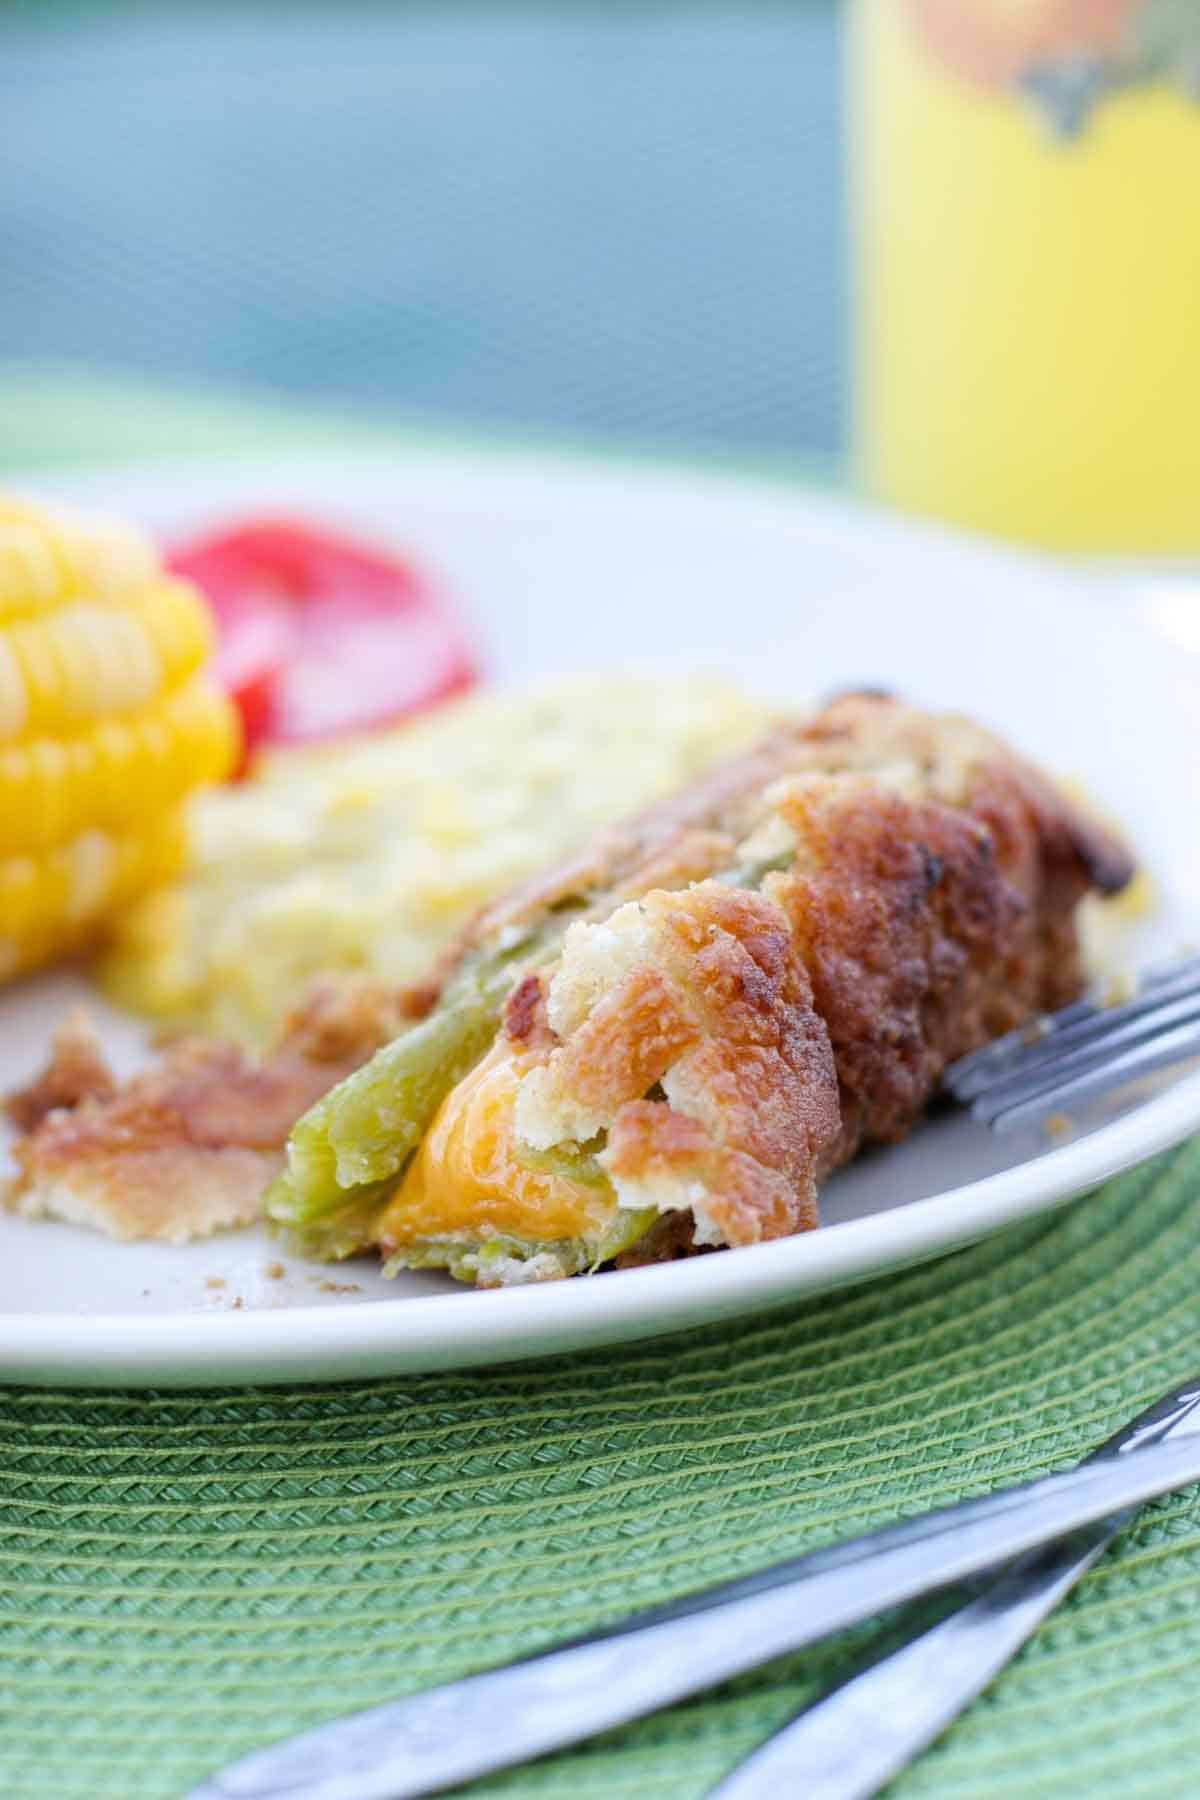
(253, 648)
(319, 635)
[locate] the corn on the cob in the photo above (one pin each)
(106, 723)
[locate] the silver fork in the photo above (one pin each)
(850, 1744)
(449, 1735)
(1084, 1050)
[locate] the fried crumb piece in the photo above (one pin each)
(77, 1071)
(274, 1271)
(238, 1304)
(186, 1147)
(342, 1022)
(339, 1287)
(215, 1281)
(1057, 1124)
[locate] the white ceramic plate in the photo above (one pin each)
(581, 565)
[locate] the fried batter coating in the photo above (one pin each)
(697, 833)
(76, 1071)
(186, 1148)
(701, 992)
(928, 906)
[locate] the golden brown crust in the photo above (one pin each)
(911, 935)
(525, 1011)
(682, 839)
(345, 1021)
(176, 1151)
(929, 907)
(694, 834)
(628, 1042)
(76, 1071)
(927, 929)
(188, 1146)
(721, 1011)
(172, 1193)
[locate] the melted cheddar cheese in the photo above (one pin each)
(465, 1177)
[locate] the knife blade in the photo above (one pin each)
(851, 1743)
(464, 1729)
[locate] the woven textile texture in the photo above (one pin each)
(185, 1576)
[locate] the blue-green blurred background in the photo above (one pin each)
(604, 218)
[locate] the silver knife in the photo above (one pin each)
(852, 1743)
(451, 1734)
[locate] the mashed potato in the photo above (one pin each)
(369, 856)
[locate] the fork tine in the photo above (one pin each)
(1075, 1026)
(1142, 1059)
(1120, 1033)
(970, 1074)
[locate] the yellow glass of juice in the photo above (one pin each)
(1027, 223)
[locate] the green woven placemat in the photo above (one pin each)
(185, 1576)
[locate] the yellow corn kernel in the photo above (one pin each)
(115, 775)
(53, 904)
(177, 625)
(106, 724)
(45, 559)
(34, 572)
(108, 558)
(82, 662)
(14, 706)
